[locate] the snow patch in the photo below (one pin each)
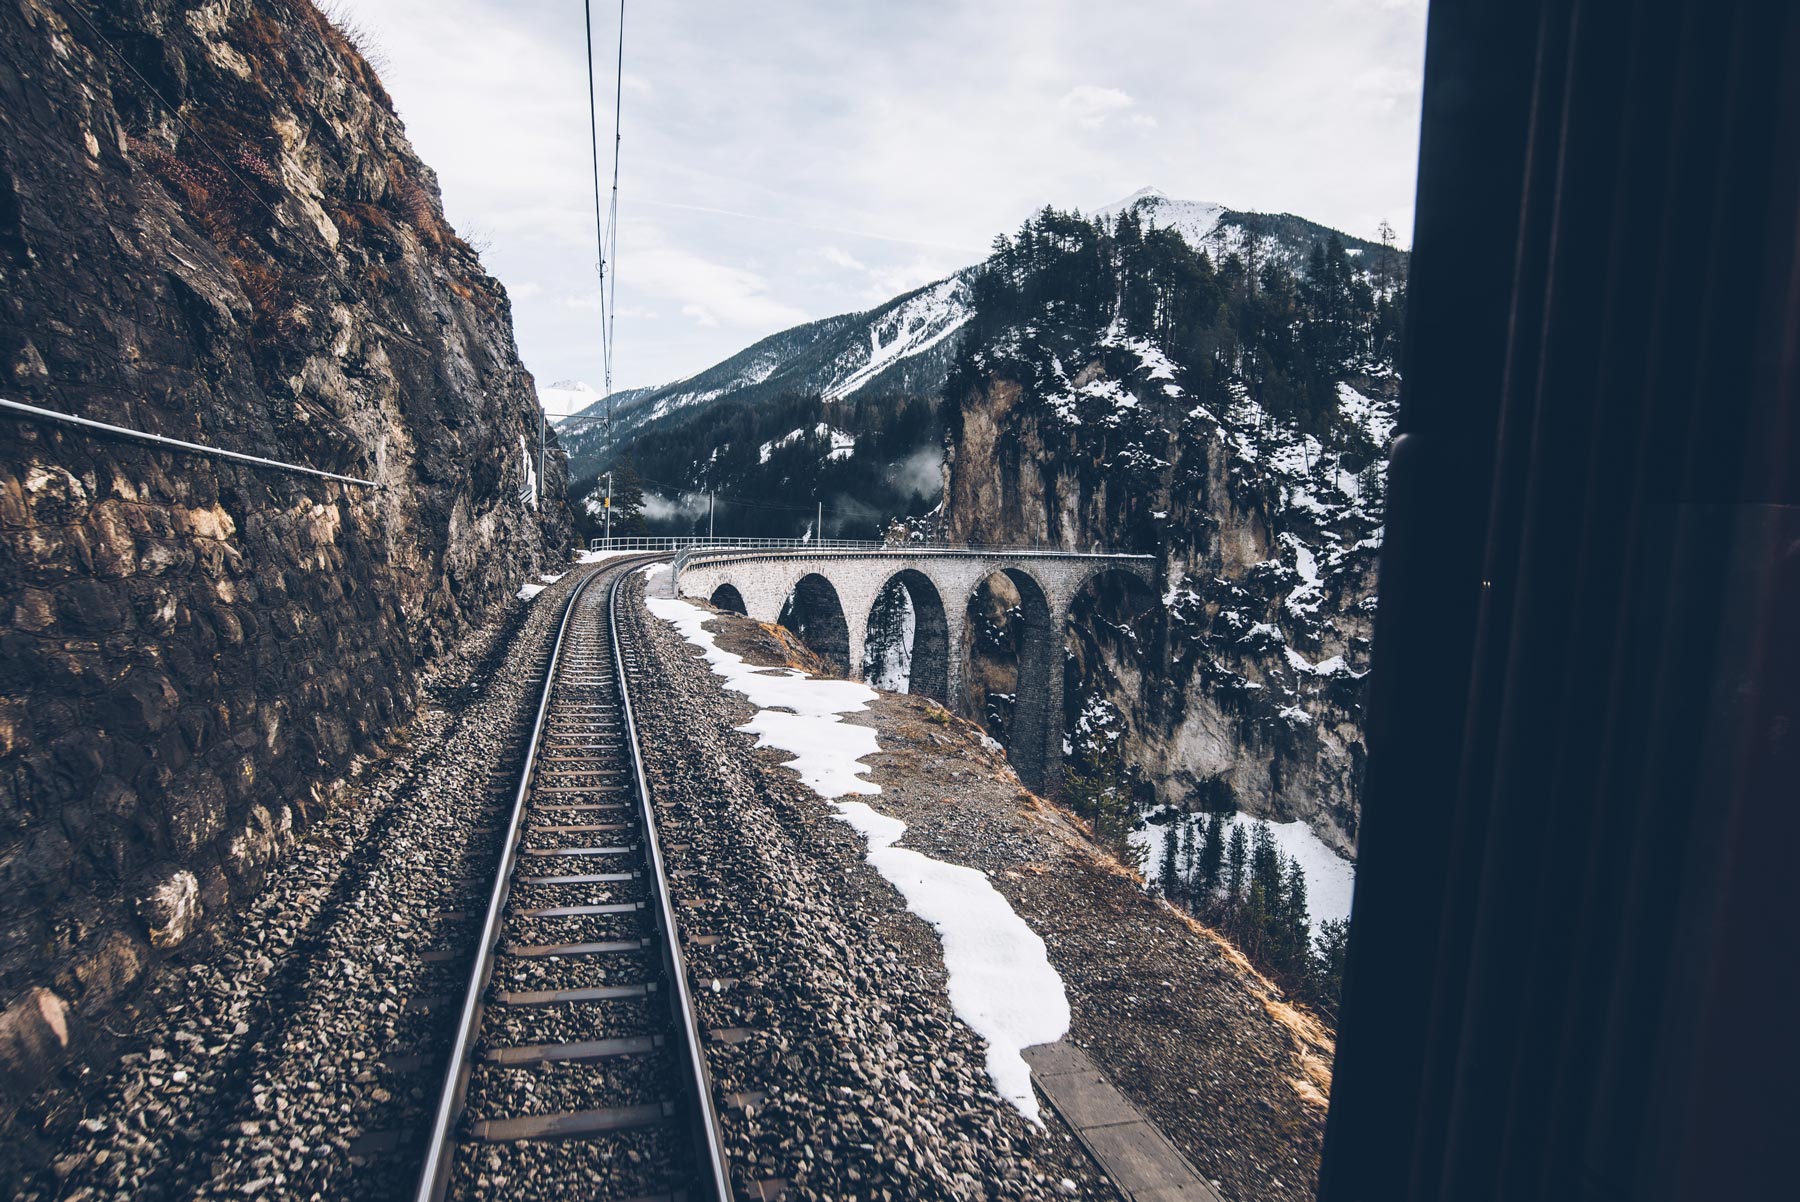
(1000, 979)
(826, 751)
(843, 443)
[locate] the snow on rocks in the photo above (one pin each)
(1156, 365)
(530, 589)
(1372, 417)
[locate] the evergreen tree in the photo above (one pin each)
(1187, 853)
(1168, 876)
(627, 502)
(1334, 944)
(1297, 935)
(1237, 855)
(1251, 929)
(1265, 861)
(1212, 857)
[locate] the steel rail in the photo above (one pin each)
(435, 1175)
(710, 1136)
(39, 413)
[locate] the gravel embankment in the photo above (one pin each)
(874, 1088)
(1177, 1021)
(269, 1061)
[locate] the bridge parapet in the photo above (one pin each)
(939, 581)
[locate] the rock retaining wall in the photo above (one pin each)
(212, 227)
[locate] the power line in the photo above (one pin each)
(599, 222)
(606, 230)
(609, 299)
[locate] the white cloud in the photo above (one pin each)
(1090, 105)
(728, 295)
(1389, 86)
(842, 258)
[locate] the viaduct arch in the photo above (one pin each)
(829, 597)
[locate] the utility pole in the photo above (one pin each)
(819, 526)
(712, 505)
(543, 420)
(609, 510)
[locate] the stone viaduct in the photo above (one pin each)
(830, 598)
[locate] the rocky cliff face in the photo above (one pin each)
(1244, 675)
(1246, 672)
(212, 227)
(1119, 393)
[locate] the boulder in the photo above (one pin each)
(171, 910)
(34, 1035)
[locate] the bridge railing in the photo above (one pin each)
(702, 544)
(736, 544)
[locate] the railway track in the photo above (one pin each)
(576, 1063)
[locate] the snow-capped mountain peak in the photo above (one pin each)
(1197, 221)
(906, 345)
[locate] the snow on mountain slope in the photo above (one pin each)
(843, 443)
(904, 345)
(914, 326)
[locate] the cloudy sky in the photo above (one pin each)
(792, 159)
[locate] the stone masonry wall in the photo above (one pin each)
(212, 227)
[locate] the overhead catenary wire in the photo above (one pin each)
(606, 228)
(611, 298)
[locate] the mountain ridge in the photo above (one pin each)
(905, 346)
(1205, 225)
